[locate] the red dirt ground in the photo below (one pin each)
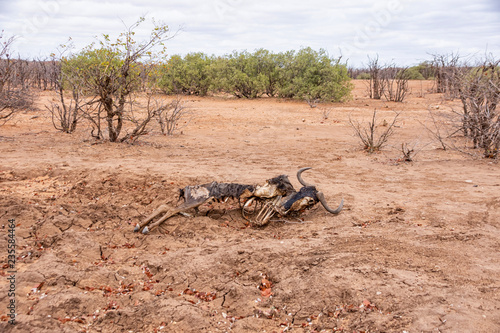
(416, 248)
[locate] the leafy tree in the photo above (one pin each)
(270, 66)
(241, 75)
(198, 73)
(311, 74)
(188, 75)
(363, 76)
(172, 77)
(111, 72)
(413, 73)
(304, 75)
(427, 70)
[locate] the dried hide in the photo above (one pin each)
(215, 190)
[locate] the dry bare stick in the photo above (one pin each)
(436, 130)
(65, 117)
(12, 96)
(368, 134)
(312, 102)
(325, 114)
(478, 89)
(410, 150)
(141, 124)
(407, 152)
(399, 78)
(93, 113)
(170, 115)
(376, 83)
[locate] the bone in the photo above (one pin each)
(276, 196)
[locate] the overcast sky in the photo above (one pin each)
(403, 31)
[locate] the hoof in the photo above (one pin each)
(137, 227)
(145, 230)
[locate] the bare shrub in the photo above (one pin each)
(169, 115)
(411, 149)
(94, 114)
(64, 115)
(140, 123)
(478, 120)
(371, 137)
(376, 83)
(12, 98)
(69, 109)
(407, 151)
(445, 68)
(312, 102)
(388, 81)
(12, 101)
(479, 91)
(325, 114)
(439, 128)
(396, 83)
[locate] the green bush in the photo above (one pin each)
(188, 75)
(86, 68)
(307, 74)
(413, 73)
(313, 75)
(241, 75)
(426, 69)
(363, 76)
(269, 67)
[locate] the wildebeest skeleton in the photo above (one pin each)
(258, 203)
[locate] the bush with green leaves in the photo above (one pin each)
(426, 69)
(110, 74)
(363, 76)
(190, 75)
(242, 74)
(413, 73)
(310, 74)
(306, 74)
(270, 66)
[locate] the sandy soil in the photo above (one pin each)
(416, 248)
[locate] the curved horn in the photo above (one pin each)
(299, 177)
(321, 198)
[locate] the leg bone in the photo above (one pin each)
(160, 210)
(179, 209)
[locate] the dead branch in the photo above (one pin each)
(370, 138)
(396, 83)
(65, 116)
(141, 123)
(376, 84)
(12, 98)
(170, 114)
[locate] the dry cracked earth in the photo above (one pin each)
(416, 248)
